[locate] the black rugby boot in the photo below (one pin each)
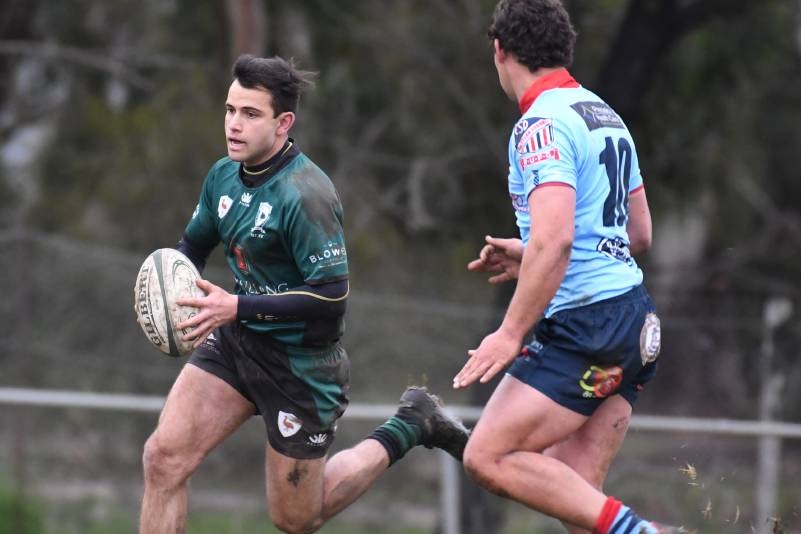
(421, 408)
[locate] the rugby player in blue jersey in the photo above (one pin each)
(272, 347)
(558, 417)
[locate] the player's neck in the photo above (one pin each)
(522, 78)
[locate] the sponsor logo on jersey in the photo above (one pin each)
(318, 440)
(332, 254)
(197, 210)
(519, 203)
(265, 208)
(245, 199)
(533, 159)
(597, 115)
(224, 205)
(252, 288)
(536, 135)
(600, 382)
(288, 424)
(615, 248)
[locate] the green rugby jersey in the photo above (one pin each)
(279, 235)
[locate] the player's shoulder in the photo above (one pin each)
(224, 164)
(223, 169)
(306, 177)
(578, 106)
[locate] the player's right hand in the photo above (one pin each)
(499, 255)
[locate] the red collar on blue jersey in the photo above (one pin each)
(556, 79)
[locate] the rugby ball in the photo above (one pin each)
(165, 276)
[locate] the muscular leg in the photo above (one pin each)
(201, 410)
(504, 454)
(590, 450)
(304, 494)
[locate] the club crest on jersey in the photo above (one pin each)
(224, 205)
(246, 198)
(533, 135)
(288, 424)
(265, 209)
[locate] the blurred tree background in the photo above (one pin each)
(111, 114)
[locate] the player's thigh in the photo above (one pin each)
(294, 487)
(591, 449)
(518, 417)
(201, 410)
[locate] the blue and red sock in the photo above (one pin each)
(617, 518)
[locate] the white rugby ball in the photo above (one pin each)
(165, 276)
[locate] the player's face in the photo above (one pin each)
(252, 132)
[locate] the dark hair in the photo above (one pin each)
(537, 32)
(277, 75)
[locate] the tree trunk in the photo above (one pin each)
(247, 23)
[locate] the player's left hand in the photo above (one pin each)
(495, 352)
(217, 308)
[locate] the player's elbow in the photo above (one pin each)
(642, 244)
(558, 247)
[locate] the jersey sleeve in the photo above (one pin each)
(542, 153)
(315, 233)
(202, 227)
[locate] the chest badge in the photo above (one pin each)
(224, 206)
(265, 209)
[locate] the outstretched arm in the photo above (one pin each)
(543, 267)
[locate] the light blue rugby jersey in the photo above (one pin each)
(569, 136)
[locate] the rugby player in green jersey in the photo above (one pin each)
(272, 347)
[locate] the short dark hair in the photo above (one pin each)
(537, 32)
(278, 76)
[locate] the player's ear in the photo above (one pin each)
(500, 54)
(285, 122)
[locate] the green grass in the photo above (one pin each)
(18, 515)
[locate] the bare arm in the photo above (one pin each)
(543, 267)
(639, 225)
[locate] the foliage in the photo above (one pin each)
(18, 515)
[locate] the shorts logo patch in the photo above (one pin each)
(318, 440)
(288, 424)
(650, 339)
(600, 382)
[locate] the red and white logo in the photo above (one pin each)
(224, 206)
(288, 424)
(600, 382)
(536, 137)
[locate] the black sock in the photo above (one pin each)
(397, 437)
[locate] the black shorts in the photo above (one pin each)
(582, 355)
(300, 392)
